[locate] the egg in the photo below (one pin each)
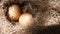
(25, 20)
(14, 12)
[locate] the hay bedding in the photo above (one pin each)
(47, 16)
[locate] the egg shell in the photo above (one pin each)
(25, 20)
(14, 12)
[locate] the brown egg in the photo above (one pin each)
(25, 19)
(14, 12)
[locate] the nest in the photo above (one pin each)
(46, 15)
